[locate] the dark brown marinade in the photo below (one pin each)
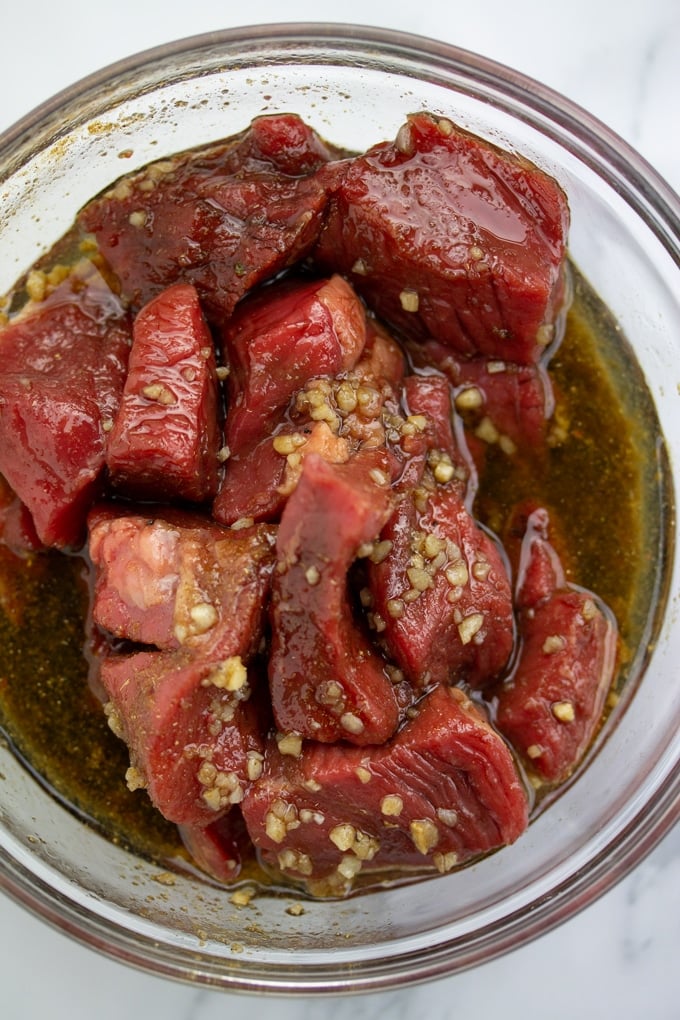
(603, 481)
(48, 711)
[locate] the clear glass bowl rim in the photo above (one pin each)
(659, 207)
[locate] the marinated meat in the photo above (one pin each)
(251, 489)
(197, 592)
(326, 680)
(224, 220)
(274, 344)
(432, 436)
(448, 237)
(282, 143)
(62, 369)
(175, 580)
(218, 849)
(551, 705)
(279, 339)
(441, 595)
(442, 790)
(501, 403)
(328, 399)
(441, 600)
(194, 732)
(166, 436)
(304, 636)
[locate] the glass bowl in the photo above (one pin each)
(355, 86)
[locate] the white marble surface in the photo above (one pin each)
(621, 60)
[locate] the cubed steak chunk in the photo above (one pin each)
(501, 403)
(279, 338)
(193, 730)
(441, 598)
(551, 706)
(62, 367)
(276, 341)
(432, 436)
(447, 236)
(444, 789)
(442, 593)
(352, 408)
(338, 392)
(223, 219)
(173, 579)
(17, 530)
(282, 141)
(327, 683)
(218, 849)
(166, 436)
(251, 487)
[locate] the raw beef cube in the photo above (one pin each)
(279, 338)
(166, 435)
(442, 593)
(222, 220)
(62, 368)
(442, 790)
(338, 417)
(432, 435)
(447, 236)
(251, 486)
(276, 341)
(551, 706)
(258, 481)
(326, 681)
(500, 402)
(174, 580)
(17, 530)
(539, 569)
(283, 142)
(192, 728)
(218, 849)
(332, 417)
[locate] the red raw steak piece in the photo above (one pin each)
(500, 402)
(166, 436)
(170, 579)
(62, 368)
(438, 440)
(551, 706)
(223, 220)
(326, 681)
(258, 483)
(447, 236)
(191, 726)
(277, 340)
(17, 530)
(252, 485)
(324, 414)
(218, 849)
(442, 593)
(282, 142)
(444, 789)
